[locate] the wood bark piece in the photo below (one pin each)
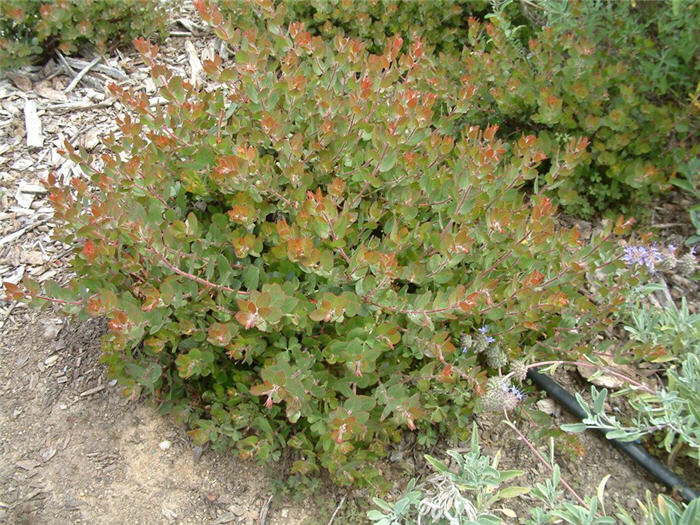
(195, 64)
(188, 24)
(612, 378)
(98, 68)
(16, 235)
(20, 81)
(32, 123)
(80, 75)
(95, 390)
(26, 187)
(262, 520)
(44, 90)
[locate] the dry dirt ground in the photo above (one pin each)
(76, 451)
(72, 448)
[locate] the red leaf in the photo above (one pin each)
(89, 250)
(535, 278)
(13, 291)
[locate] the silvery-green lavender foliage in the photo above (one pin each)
(671, 327)
(463, 494)
(468, 495)
(675, 410)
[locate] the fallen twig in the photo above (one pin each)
(65, 64)
(95, 390)
(263, 511)
(16, 235)
(79, 106)
(342, 500)
(7, 315)
(668, 225)
(99, 68)
(80, 75)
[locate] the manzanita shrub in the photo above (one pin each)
(594, 70)
(564, 83)
(301, 255)
(441, 24)
(30, 29)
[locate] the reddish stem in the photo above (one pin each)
(539, 456)
(195, 278)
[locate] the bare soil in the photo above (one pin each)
(73, 449)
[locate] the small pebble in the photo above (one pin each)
(165, 445)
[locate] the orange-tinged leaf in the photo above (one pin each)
(542, 208)
(89, 250)
(13, 291)
(490, 132)
(533, 279)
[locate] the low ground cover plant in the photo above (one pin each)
(33, 29)
(470, 489)
(303, 255)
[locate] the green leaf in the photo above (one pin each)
(383, 505)
(691, 515)
(576, 428)
(375, 515)
(512, 492)
(388, 161)
(438, 465)
(251, 277)
(510, 474)
(599, 400)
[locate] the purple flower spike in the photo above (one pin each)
(647, 256)
(517, 393)
(489, 339)
(484, 329)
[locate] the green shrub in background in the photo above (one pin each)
(567, 82)
(31, 29)
(657, 38)
(657, 41)
(303, 255)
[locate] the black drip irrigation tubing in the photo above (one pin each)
(637, 453)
